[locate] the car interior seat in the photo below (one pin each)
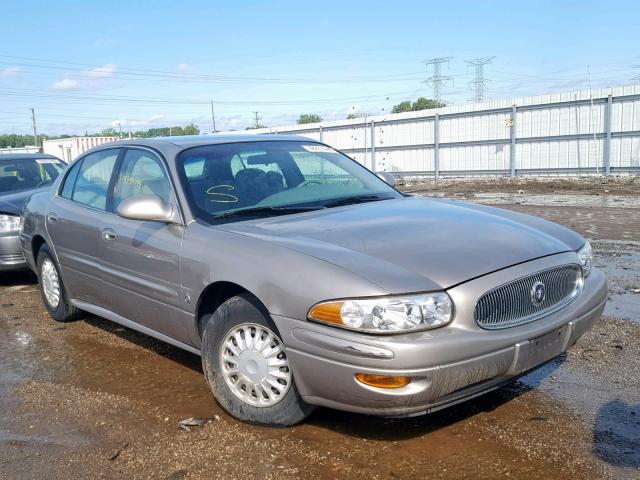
(8, 183)
(251, 186)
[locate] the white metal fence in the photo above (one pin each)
(583, 132)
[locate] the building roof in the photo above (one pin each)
(66, 139)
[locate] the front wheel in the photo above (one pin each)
(247, 367)
(54, 295)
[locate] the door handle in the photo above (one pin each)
(52, 218)
(108, 235)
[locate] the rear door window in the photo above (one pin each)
(92, 185)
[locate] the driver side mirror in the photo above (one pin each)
(387, 177)
(149, 208)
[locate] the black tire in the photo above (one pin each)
(63, 311)
(235, 312)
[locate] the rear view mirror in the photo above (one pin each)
(387, 177)
(147, 208)
(260, 159)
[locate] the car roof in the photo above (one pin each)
(170, 146)
(188, 141)
(26, 156)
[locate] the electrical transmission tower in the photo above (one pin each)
(437, 80)
(480, 82)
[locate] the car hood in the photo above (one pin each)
(415, 243)
(14, 202)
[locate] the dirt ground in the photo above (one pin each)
(588, 185)
(91, 399)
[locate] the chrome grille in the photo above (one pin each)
(512, 304)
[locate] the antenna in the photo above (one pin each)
(479, 84)
(437, 80)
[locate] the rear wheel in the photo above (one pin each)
(52, 289)
(247, 367)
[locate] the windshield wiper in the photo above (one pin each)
(356, 199)
(267, 210)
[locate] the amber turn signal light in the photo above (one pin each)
(327, 312)
(383, 381)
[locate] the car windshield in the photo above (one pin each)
(244, 179)
(28, 173)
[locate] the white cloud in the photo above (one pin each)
(101, 72)
(184, 66)
(150, 122)
(66, 84)
(10, 72)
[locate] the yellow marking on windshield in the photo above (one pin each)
(222, 197)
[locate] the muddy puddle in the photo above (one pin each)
(77, 395)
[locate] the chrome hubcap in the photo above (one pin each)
(50, 283)
(255, 365)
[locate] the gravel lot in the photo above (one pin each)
(91, 399)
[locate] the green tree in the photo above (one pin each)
(309, 118)
(425, 104)
(354, 115)
(109, 132)
(421, 103)
(191, 129)
(402, 107)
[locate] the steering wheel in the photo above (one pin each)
(308, 182)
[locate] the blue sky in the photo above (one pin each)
(91, 65)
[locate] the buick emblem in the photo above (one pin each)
(538, 293)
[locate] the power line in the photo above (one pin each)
(437, 80)
(480, 82)
(130, 99)
(151, 73)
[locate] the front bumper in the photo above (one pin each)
(446, 365)
(11, 257)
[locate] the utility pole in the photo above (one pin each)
(437, 80)
(120, 130)
(213, 118)
(170, 132)
(480, 82)
(35, 130)
(257, 119)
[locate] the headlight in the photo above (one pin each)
(9, 223)
(585, 254)
(387, 314)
